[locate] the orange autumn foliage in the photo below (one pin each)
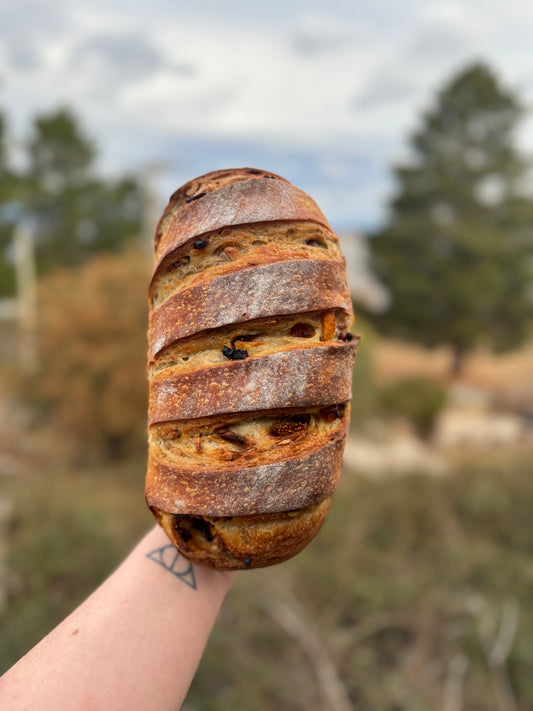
(92, 350)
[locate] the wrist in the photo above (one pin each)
(157, 547)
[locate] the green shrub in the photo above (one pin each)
(417, 399)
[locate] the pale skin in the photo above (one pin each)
(134, 644)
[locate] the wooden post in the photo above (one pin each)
(24, 255)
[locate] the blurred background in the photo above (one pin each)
(410, 125)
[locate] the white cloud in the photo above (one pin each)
(321, 33)
(27, 28)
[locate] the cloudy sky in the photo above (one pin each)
(324, 93)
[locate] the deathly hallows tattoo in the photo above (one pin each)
(172, 560)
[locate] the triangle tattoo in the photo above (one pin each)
(172, 560)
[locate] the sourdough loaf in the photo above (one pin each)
(250, 360)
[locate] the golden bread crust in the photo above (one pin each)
(267, 488)
(300, 286)
(234, 544)
(242, 203)
(309, 376)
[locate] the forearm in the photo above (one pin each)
(134, 643)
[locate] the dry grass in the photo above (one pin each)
(504, 374)
(397, 360)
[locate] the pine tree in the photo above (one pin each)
(10, 193)
(76, 213)
(455, 250)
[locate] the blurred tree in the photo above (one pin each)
(10, 187)
(4, 269)
(2, 146)
(59, 152)
(76, 214)
(454, 250)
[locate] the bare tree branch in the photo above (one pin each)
(453, 687)
(288, 614)
(497, 640)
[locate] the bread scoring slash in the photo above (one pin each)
(250, 361)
